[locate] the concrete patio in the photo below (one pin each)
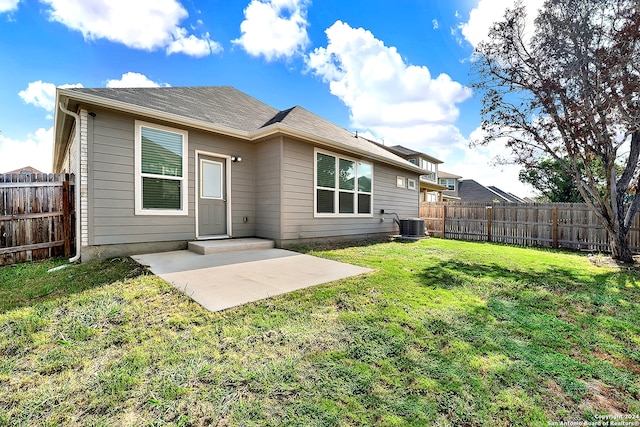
(237, 271)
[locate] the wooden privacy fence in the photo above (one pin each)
(554, 225)
(36, 217)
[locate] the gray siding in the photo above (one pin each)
(268, 188)
(70, 156)
(242, 197)
(298, 219)
(272, 188)
(111, 189)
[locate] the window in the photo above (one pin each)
(161, 170)
(211, 180)
(448, 182)
(400, 181)
(431, 169)
(411, 184)
(343, 186)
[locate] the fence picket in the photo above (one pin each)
(35, 213)
(554, 225)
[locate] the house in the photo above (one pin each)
(159, 167)
(452, 184)
(430, 190)
(24, 171)
(470, 190)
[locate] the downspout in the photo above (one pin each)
(77, 189)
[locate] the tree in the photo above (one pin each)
(549, 176)
(570, 89)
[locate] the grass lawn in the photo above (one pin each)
(442, 333)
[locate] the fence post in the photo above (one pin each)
(444, 215)
(489, 210)
(555, 227)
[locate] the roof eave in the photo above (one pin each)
(83, 97)
(60, 119)
(279, 128)
(413, 153)
(153, 113)
(430, 185)
(431, 159)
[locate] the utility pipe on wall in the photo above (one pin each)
(77, 202)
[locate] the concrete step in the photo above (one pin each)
(208, 247)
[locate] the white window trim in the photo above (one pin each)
(411, 184)
(184, 210)
(337, 190)
(400, 182)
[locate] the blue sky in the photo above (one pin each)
(396, 71)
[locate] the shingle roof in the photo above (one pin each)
(303, 120)
(404, 151)
(222, 105)
(408, 152)
(508, 196)
(26, 169)
(470, 190)
(443, 174)
(225, 106)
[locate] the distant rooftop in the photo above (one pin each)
(24, 170)
(443, 174)
(408, 152)
(470, 190)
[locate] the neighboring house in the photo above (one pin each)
(470, 190)
(163, 166)
(430, 190)
(24, 170)
(452, 184)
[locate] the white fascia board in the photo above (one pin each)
(279, 128)
(57, 127)
(154, 114)
(499, 195)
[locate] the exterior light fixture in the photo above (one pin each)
(236, 159)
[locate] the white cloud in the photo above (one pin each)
(487, 13)
(436, 24)
(35, 151)
(132, 79)
(140, 24)
(274, 28)
(8, 5)
(42, 94)
(192, 45)
(399, 102)
(403, 104)
(480, 163)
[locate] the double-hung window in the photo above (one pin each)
(449, 183)
(431, 169)
(343, 186)
(161, 170)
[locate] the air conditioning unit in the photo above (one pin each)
(412, 227)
